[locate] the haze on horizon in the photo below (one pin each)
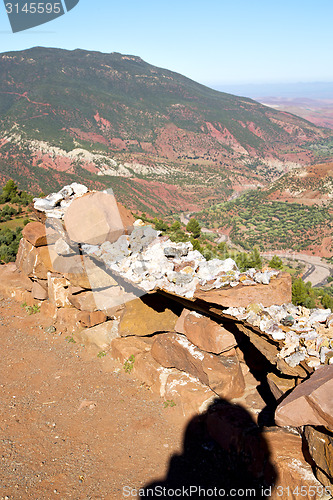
(215, 43)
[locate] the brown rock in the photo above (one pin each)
(39, 292)
(13, 283)
(95, 218)
(67, 320)
(99, 336)
(146, 369)
(320, 444)
(29, 262)
(124, 347)
(189, 395)
(91, 276)
(292, 470)
(277, 292)
(222, 374)
(310, 403)
(58, 290)
(146, 315)
(83, 301)
(90, 319)
(279, 385)
(205, 333)
(49, 310)
(35, 233)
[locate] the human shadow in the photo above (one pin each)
(224, 454)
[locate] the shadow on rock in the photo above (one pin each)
(224, 455)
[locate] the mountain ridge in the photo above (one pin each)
(118, 119)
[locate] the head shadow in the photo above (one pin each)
(223, 450)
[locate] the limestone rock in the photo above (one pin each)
(99, 336)
(277, 292)
(310, 403)
(222, 374)
(147, 315)
(95, 218)
(58, 290)
(205, 333)
(320, 444)
(124, 347)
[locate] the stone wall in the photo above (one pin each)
(191, 331)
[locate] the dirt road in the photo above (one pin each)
(318, 270)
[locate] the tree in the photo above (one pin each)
(9, 191)
(275, 262)
(194, 227)
(300, 292)
(175, 226)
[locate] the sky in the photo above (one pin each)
(214, 42)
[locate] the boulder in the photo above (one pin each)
(109, 300)
(99, 336)
(204, 332)
(277, 292)
(58, 290)
(295, 478)
(147, 315)
(310, 403)
(320, 445)
(124, 347)
(222, 374)
(95, 218)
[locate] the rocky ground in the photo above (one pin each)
(71, 426)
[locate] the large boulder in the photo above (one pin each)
(222, 374)
(147, 315)
(204, 332)
(310, 403)
(95, 218)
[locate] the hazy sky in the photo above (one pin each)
(211, 41)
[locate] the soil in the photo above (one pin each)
(73, 425)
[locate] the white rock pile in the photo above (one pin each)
(306, 334)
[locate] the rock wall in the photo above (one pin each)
(192, 331)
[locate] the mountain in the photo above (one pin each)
(294, 212)
(163, 142)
